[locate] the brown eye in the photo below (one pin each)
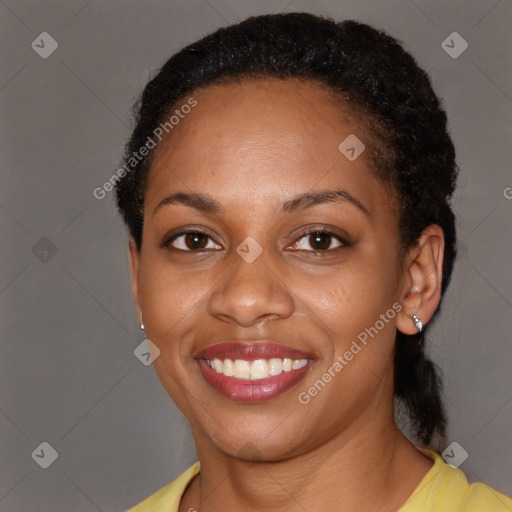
(319, 241)
(192, 241)
(195, 241)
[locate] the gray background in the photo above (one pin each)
(68, 329)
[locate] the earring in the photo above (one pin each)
(141, 323)
(417, 322)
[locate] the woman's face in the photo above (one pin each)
(247, 168)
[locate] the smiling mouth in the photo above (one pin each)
(253, 372)
(257, 369)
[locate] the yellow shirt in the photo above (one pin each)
(443, 489)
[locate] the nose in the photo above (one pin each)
(251, 293)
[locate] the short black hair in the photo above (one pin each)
(374, 75)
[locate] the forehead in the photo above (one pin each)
(279, 113)
(261, 137)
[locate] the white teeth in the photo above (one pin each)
(217, 365)
(242, 369)
(275, 366)
(299, 363)
(257, 369)
(229, 368)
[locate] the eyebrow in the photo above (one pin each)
(309, 199)
(208, 204)
(201, 202)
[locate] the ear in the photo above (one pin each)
(134, 257)
(422, 280)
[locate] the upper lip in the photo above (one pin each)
(251, 350)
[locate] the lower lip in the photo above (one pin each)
(246, 390)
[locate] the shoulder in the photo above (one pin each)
(446, 489)
(482, 498)
(168, 497)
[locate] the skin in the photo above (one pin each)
(251, 147)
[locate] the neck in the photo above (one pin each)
(374, 467)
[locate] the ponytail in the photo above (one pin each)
(418, 385)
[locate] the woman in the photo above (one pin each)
(286, 190)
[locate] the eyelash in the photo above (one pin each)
(321, 231)
(344, 243)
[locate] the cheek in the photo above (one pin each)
(172, 301)
(353, 297)
(174, 309)
(355, 308)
